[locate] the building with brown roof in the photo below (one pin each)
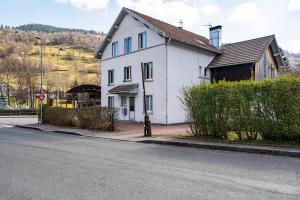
(171, 58)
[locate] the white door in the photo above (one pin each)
(131, 108)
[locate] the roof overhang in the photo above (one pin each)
(118, 21)
(125, 89)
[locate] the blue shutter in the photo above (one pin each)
(145, 40)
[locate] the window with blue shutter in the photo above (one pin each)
(115, 49)
(127, 45)
(143, 40)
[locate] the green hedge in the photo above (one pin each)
(100, 118)
(270, 108)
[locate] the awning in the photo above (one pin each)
(125, 89)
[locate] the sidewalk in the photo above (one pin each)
(165, 138)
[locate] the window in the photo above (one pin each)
(123, 101)
(127, 74)
(110, 77)
(115, 49)
(148, 71)
(111, 102)
(200, 71)
(149, 103)
(143, 40)
(127, 45)
(205, 72)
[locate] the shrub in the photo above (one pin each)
(100, 118)
(270, 108)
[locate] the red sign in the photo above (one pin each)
(40, 97)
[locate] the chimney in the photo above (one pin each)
(215, 36)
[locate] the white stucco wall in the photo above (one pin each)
(155, 52)
(173, 68)
(131, 27)
(183, 70)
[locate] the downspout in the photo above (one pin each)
(166, 45)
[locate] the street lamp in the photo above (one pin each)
(58, 78)
(41, 89)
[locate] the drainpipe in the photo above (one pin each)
(166, 45)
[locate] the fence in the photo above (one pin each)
(18, 112)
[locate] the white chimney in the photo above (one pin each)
(215, 34)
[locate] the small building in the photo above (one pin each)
(254, 59)
(85, 95)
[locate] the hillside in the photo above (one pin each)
(53, 29)
(68, 59)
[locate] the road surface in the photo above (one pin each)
(36, 165)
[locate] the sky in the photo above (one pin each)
(241, 19)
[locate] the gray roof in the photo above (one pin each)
(245, 52)
(125, 89)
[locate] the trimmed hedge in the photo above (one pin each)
(270, 108)
(97, 118)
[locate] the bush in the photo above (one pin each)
(100, 118)
(270, 108)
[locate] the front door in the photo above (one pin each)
(131, 108)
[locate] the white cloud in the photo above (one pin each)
(293, 46)
(209, 9)
(86, 5)
(247, 12)
(294, 5)
(169, 11)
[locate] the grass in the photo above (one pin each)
(233, 139)
(73, 64)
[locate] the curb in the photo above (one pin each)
(274, 152)
(55, 131)
(244, 149)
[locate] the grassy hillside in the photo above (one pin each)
(74, 66)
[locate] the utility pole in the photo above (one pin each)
(147, 123)
(41, 89)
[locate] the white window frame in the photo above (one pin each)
(142, 40)
(115, 49)
(111, 101)
(148, 71)
(127, 74)
(123, 101)
(127, 41)
(149, 103)
(111, 76)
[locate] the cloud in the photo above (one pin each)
(169, 11)
(86, 5)
(208, 8)
(247, 12)
(292, 46)
(294, 5)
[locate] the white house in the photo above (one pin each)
(170, 56)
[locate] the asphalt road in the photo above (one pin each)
(37, 165)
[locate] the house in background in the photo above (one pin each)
(171, 58)
(254, 59)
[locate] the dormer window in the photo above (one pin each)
(143, 40)
(115, 49)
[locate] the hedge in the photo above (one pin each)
(98, 118)
(270, 108)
